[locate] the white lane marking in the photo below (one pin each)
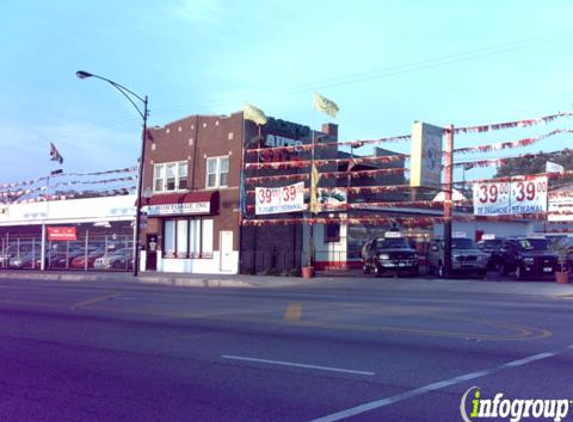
(530, 359)
(299, 365)
(377, 404)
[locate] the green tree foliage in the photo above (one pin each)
(535, 163)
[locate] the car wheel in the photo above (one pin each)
(482, 273)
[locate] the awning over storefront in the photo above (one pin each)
(191, 203)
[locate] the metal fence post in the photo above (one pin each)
(86, 250)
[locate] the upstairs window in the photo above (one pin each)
(217, 172)
(170, 177)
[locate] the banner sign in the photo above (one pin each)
(62, 234)
(560, 207)
(279, 200)
(426, 156)
(203, 207)
(516, 197)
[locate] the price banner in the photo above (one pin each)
(505, 198)
(529, 195)
(279, 200)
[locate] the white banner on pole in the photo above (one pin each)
(279, 200)
(525, 196)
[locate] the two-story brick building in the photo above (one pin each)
(191, 184)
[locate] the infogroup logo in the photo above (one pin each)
(512, 409)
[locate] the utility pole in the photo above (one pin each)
(448, 168)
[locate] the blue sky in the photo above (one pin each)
(386, 64)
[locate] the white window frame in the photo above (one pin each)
(217, 173)
(160, 169)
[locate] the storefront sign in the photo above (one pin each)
(62, 234)
(517, 197)
(279, 200)
(560, 207)
(179, 209)
(426, 156)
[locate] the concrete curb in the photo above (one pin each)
(169, 280)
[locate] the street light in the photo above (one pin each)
(131, 96)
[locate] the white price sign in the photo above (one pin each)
(491, 198)
(529, 195)
(279, 200)
(518, 197)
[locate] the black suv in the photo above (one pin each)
(389, 255)
(528, 257)
(492, 247)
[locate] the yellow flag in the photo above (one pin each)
(313, 203)
(253, 113)
(326, 105)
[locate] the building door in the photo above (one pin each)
(151, 260)
(226, 248)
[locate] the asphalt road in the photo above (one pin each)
(345, 349)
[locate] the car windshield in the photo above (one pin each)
(532, 244)
(392, 244)
(492, 244)
(463, 244)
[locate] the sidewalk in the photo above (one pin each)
(343, 279)
(173, 279)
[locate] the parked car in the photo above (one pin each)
(79, 262)
(121, 259)
(492, 247)
(528, 257)
(389, 254)
(466, 257)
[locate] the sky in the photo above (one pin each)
(385, 63)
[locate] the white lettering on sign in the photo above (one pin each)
(525, 196)
(279, 200)
(177, 209)
(281, 141)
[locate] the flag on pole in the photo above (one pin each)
(253, 113)
(313, 202)
(325, 105)
(55, 154)
(551, 167)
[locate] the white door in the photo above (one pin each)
(226, 248)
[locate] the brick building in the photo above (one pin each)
(191, 184)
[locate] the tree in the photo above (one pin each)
(535, 163)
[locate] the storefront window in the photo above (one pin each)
(188, 238)
(332, 233)
(182, 243)
(169, 239)
(207, 239)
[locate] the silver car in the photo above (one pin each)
(466, 257)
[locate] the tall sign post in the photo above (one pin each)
(448, 179)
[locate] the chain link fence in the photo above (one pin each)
(86, 253)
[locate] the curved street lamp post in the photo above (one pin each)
(131, 96)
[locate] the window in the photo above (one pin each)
(170, 177)
(332, 233)
(188, 238)
(217, 172)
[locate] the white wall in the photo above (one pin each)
(112, 208)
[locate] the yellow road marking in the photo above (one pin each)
(293, 312)
(95, 300)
